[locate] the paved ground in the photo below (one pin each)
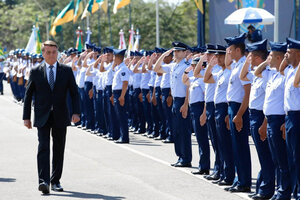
(99, 169)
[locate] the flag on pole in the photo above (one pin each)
(78, 10)
(1, 52)
(90, 8)
(199, 4)
(38, 37)
(120, 4)
(66, 15)
(131, 39)
(79, 44)
(31, 45)
(103, 4)
(137, 41)
(53, 29)
(122, 44)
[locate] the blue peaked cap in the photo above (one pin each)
(278, 46)
(180, 46)
(292, 43)
(258, 46)
(120, 52)
(236, 39)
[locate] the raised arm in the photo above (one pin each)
(245, 69)
(208, 77)
(262, 67)
(185, 77)
(136, 66)
(157, 67)
(86, 58)
(283, 65)
(199, 67)
(228, 58)
(297, 77)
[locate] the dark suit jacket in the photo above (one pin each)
(45, 98)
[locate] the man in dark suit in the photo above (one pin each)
(50, 83)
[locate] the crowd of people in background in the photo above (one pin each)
(219, 93)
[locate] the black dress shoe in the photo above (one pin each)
(229, 188)
(224, 183)
(173, 164)
(213, 177)
(167, 141)
(200, 172)
(240, 189)
(110, 138)
(183, 165)
(160, 137)
(57, 187)
(217, 181)
(121, 142)
(261, 197)
(252, 194)
(44, 188)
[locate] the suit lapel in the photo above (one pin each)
(43, 68)
(58, 75)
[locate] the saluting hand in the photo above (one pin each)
(27, 123)
(238, 120)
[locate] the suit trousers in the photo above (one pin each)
(43, 156)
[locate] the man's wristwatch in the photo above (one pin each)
(186, 72)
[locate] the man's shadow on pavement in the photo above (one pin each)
(8, 180)
(82, 195)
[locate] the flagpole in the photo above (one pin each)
(157, 24)
(276, 23)
(129, 15)
(109, 23)
(99, 28)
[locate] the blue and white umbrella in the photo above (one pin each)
(250, 15)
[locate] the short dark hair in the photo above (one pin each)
(263, 54)
(241, 46)
(49, 43)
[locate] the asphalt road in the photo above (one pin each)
(95, 168)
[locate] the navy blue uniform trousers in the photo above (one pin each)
(240, 144)
(165, 92)
(224, 144)
(121, 115)
(212, 132)
(182, 132)
(279, 155)
(265, 184)
(292, 125)
(201, 135)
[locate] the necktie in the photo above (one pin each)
(51, 77)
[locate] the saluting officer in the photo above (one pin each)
(273, 109)
(265, 184)
(292, 109)
(181, 120)
(223, 144)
